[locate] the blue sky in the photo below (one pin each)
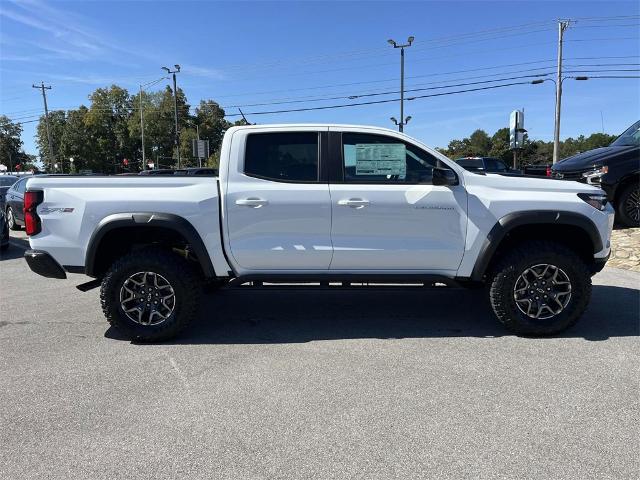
(241, 53)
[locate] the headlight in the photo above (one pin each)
(594, 176)
(596, 200)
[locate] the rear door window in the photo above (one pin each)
(282, 157)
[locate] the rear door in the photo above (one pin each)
(387, 214)
(277, 204)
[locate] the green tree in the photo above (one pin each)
(210, 119)
(500, 146)
(10, 142)
(57, 122)
(77, 142)
(479, 144)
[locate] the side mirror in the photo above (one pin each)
(444, 176)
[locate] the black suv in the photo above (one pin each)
(615, 168)
(484, 164)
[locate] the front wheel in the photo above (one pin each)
(151, 294)
(628, 207)
(539, 288)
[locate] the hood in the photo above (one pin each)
(592, 157)
(532, 184)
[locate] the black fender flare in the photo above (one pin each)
(512, 220)
(144, 219)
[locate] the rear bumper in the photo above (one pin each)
(43, 264)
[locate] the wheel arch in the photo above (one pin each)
(628, 179)
(141, 228)
(573, 229)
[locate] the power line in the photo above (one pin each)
(442, 42)
(532, 73)
(362, 95)
(375, 102)
(317, 98)
(408, 99)
(604, 39)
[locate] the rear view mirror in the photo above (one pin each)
(444, 176)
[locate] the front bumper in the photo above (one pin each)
(599, 263)
(43, 264)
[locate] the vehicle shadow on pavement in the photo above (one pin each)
(16, 249)
(279, 315)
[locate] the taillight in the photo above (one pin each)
(548, 173)
(32, 223)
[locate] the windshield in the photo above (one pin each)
(630, 137)
(471, 163)
(6, 181)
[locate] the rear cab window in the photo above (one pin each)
(283, 157)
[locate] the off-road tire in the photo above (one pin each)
(503, 277)
(182, 276)
(13, 224)
(622, 213)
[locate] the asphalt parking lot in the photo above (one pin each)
(316, 384)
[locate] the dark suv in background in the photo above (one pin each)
(615, 168)
(485, 164)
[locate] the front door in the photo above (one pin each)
(278, 210)
(387, 215)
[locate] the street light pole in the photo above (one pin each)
(175, 109)
(562, 26)
(403, 121)
(556, 133)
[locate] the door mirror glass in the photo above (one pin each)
(444, 176)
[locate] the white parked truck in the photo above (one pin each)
(321, 203)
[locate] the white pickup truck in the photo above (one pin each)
(321, 203)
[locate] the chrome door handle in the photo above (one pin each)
(252, 202)
(354, 202)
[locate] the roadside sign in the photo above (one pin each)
(516, 130)
(200, 148)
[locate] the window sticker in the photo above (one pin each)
(381, 159)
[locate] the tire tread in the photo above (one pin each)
(190, 294)
(501, 278)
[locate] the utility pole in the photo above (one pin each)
(175, 109)
(562, 26)
(46, 120)
(198, 137)
(403, 121)
(144, 163)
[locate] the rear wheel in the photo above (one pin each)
(150, 294)
(539, 288)
(11, 219)
(628, 207)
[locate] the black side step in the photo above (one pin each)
(85, 287)
(346, 279)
